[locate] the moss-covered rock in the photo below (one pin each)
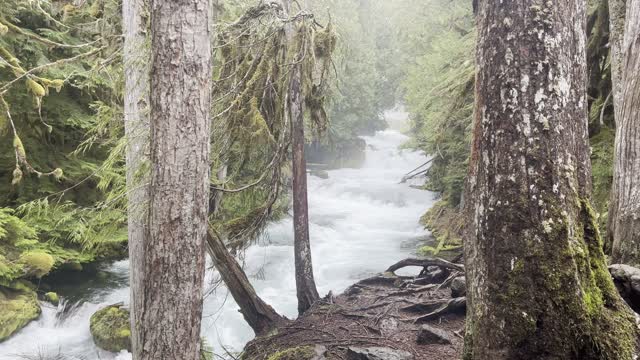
(52, 298)
(71, 266)
(18, 307)
(296, 353)
(37, 263)
(110, 329)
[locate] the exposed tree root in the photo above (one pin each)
(385, 310)
(436, 308)
(425, 263)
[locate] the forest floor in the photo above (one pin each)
(397, 317)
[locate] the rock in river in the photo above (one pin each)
(110, 328)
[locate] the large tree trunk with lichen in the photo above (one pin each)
(538, 286)
(168, 323)
(625, 219)
(259, 315)
(136, 121)
(305, 285)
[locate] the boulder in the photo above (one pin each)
(18, 306)
(322, 174)
(37, 263)
(435, 274)
(377, 353)
(110, 328)
(428, 335)
(458, 287)
(52, 298)
(627, 280)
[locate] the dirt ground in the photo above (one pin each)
(382, 311)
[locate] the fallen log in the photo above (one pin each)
(258, 314)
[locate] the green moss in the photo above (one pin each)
(36, 263)
(111, 329)
(52, 297)
(446, 225)
(18, 308)
(206, 351)
(602, 149)
(296, 353)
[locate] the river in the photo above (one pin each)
(361, 221)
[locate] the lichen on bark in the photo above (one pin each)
(538, 283)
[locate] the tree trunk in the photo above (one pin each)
(136, 121)
(169, 325)
(259, 315)
(617, 13)
(538, 283)
(625, 220)
(305, 284)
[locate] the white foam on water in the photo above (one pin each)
(361, 221)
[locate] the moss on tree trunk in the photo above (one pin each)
(538, 287)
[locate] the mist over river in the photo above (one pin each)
(361, 221)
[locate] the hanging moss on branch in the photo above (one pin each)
(251, 129)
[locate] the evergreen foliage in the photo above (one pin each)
(438, 89)
(61, 175)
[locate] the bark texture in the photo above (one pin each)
(259, 315)
(625, 220)
(136, 121)
(305, 284)
(538, 286)
(169, 324)
(617, 14)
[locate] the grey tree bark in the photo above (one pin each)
(168, 324)
(617, 14)
(538, 285)
(625, 220)
(305, 284)
(136, 121)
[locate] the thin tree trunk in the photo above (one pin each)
(215, 201)
(305, 285)
(259, 315)
(538, 285)
(136, 121)
(625, 220)
(617, 14)
(180, 144)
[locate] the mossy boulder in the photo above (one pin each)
(18, 307)
(52, 298)
(71, 266)
(37, 263)
(296, 353)
(110, 328)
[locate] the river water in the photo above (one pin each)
(361, 221)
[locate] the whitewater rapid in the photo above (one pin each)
(361, 221)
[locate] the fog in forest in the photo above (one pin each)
(328, 179)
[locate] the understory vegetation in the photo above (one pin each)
(62, 158)
(438, 91)
(289, 78)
